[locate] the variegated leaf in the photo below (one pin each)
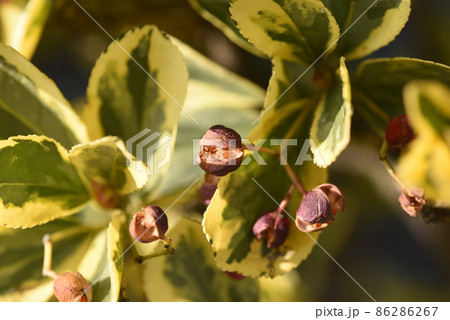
(191, 274)
(330, 128)
(37, 182)
(378, 83)
(107, 162)
(145, 90)
(31, 103)
(95, 266)
(368, 25)
(281, 90)
(136, 92)
(115, 254)
(21, 258)
(294, 30)
(22, 23)
(425, 163)
(218, 13)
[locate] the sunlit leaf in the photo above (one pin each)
(368, 25)
(31, 103)
(281, 89)
(96, 267)
(283, 288)
(191, 274)
(378, 83)
(294, 30)
(105, 161)
(22, 22)
(22, 253)
(115, 251)
(425, 164)
(218, 13)
(330, 129)
(37, 182)
(139, 97)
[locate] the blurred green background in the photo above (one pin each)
(394, 257)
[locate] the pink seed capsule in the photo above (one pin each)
(72, 287)
(149, 224)
(412, 201)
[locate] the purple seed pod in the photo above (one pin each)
(272, 226)
(149, 224)
(220, 151)
(334, 195)
(318, 207)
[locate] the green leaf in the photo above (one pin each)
(37, 182)
(370, 24)
(281, 89)
(123, 99)
(105, 161)
(294, 30)
(378, 83)
(115, 251)
(21, 258)
(190, 274)
(215, 95)
(31, 103)
(218, 13)
(425, 164)
(96, 267)
(22, 23)
(330, 129)
(142, 90)
(285, 288)
(241, 199)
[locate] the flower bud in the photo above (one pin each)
(72, 287)
(220, 151)
(399, 133)
(412, 201)
(208, 188)
(272, 226)
(148, 224)
(235, 275)
(318, 207)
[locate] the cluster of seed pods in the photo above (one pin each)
(221, 152)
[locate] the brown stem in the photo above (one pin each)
(281, 208)
(262, 149)
(288, 168)
(389, 168)
(294, 179)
